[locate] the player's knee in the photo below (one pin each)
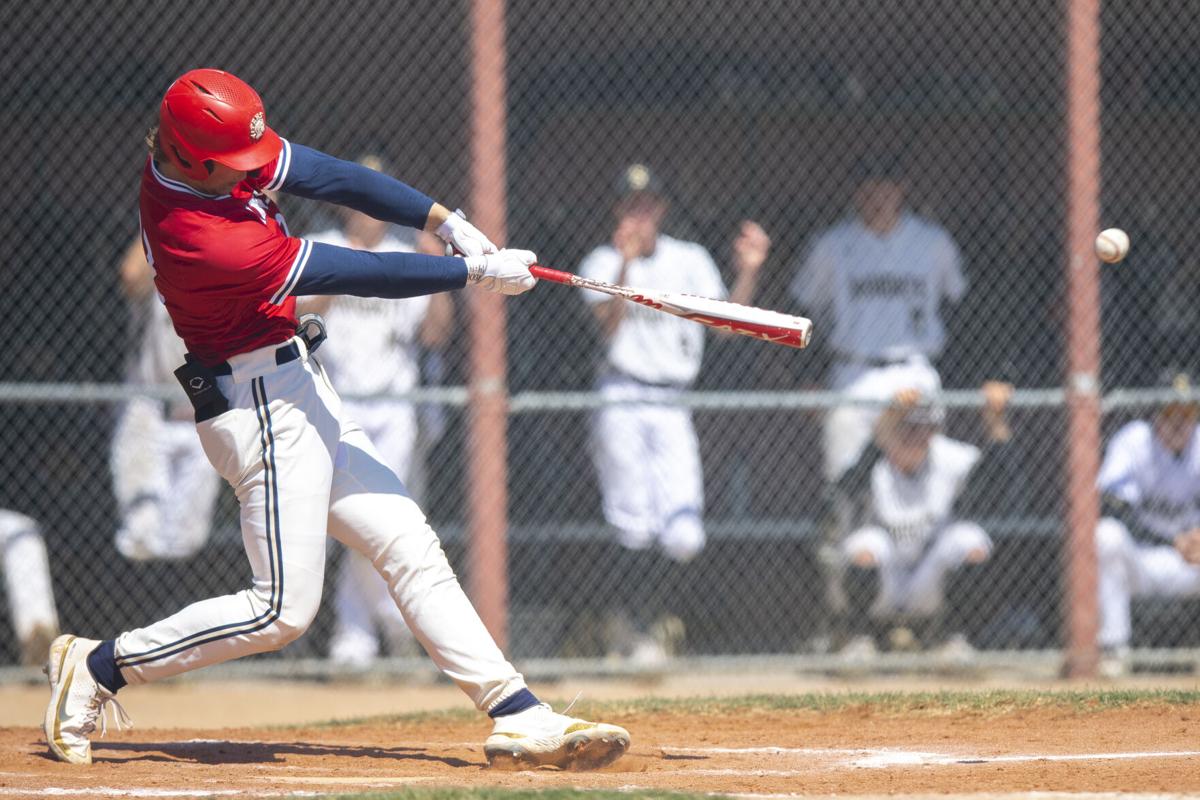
(866, 548)
(296, 613)
(683, 538)
(1110, 539)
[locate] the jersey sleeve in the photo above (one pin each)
(602, 264)
(305, 172)
(1118, 472)
(813, 286)
(952, 284)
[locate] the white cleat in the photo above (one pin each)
(538, 737)
(76, 701)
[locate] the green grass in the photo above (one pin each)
(983, 701)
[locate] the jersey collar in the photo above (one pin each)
(179, 186)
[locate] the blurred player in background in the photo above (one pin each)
(876, 282)
(28, 587)
(913, 552)
(166, 489)
(374, 348)
(1148, 541)
(646, 452)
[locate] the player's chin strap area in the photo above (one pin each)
(200, 382)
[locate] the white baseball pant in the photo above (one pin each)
(1128, 569)
(648, 460)
(361, 599)
(165, 487)
(299, 473)
(849, 428)
(912, 579)
(27, 581)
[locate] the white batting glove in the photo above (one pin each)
(506, 272)
(464, 237)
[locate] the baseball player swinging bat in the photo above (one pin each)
(771, 326)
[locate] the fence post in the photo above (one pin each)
(1083, 331)
(487, 473)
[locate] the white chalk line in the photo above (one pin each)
(876, 758)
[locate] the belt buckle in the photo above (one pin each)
(311, 330)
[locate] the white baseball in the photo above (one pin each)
(1112, 245)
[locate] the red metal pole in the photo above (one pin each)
(1083, 332)
(487, 487)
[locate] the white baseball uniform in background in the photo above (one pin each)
(880, 296)
(646, 452)
(373, 349)
(1164, 490)
(912, 534)
(165, 487)
(27, 583)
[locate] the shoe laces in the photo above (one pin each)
(95, 710)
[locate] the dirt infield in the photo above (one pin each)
(850, 751)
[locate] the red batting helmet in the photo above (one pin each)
(211, 115)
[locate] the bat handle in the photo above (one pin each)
(547, 274)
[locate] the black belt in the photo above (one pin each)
(283, 355)
(874, 362)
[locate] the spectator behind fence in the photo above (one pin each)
(165, 488)
(28, 587)
(645, 449)
(374, 348)
(1148, 540)
(875, 284)
(913, 554)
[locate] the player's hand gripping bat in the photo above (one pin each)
(771, 326)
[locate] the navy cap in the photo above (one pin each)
(638, 179)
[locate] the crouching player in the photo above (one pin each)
(912, 552)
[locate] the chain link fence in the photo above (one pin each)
(671, 492)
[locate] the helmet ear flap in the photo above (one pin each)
(179, 154)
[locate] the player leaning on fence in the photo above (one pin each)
(272, 425)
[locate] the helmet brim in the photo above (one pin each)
(257, 155)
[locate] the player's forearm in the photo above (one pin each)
(744, 288)
(609, 314)
(333, 270)
(318, 176)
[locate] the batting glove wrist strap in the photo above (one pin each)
(505, 272)
(464, 237)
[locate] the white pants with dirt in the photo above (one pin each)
(362, 602)
(301, 474)
(29, 590)
(165, 487)
(912, 577)
(648, 461)
(1129, 569)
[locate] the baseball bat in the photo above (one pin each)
(770, 326)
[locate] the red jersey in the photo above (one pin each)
(223, 265)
